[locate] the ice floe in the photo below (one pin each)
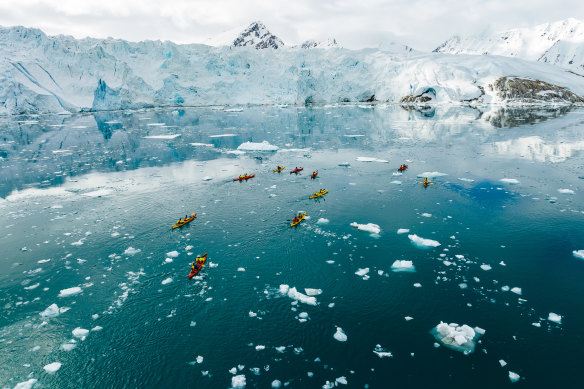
(296, 295)
(371, 159)
(566, 191)
(344, 164)
(80, 333)
(425, 214)
(172, 254)
(131, 251)
(486, 267)
(98, 193)
(166, 281)
(322, 220)
(26, 384)
(70, 291)
(516, 290)
(276, 384)
(169, 136)
(460, 338)
(52, 368)
(340, 335)
(238, 381)
(252, 146)
(578, 254)
(403, 266)
(509, 180)
(312, 292)
(514, 377)
(403, 230)
(363, 273)
(207, 178)
(222, 136)
(422, 242)
(203, 144)
(555, 318)
(369, 227)
(431, 174)
(381, 352)
(53, 310)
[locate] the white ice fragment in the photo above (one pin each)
(172, 254)
(341, 380)
(509, 180)
(371, 159)
(516, 290)
(566, 191)
(514, 377)
(502, 362)
(238, 381)
(260, 347)
(70, 291)
(276, 384)
(362, 272)
(294, 294)
(486, 267)
(344, 164)
(252, 314)
(240, 269)
(199, 359)
(461, 338)
(263, 146)
(131, 251)
(423, 243)
(80, 333)
(312, 292)
(555, 318)
(207, 178)
(578, 254)
(417, 285)
(52, 310)
(403, 231)
(369, 227)
(431, 174)
(189, 248)
(52, 368)
(381, 352)
(396, 182)
(166, 281)
(426, 214)
(340, 335)
(403, 266)
(322, 220)
(505, 288)
(97, 328)
(170, 136)
(408, 318)
(26, 384)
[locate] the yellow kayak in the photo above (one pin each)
(186, 221)
(280, 169)
(299, 220)
(318, 194)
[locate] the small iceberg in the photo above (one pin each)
(340, 335)
(369, 227)
(296, 295)
(381, 352)
(52, 368)
(578, 254)
(431, 174)
(566, 191)
(263, 146)
(422, 242)
(70, 291)
(555, 318)
(403, 266)
(511, 181)
(460, 338)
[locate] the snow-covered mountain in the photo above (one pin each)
(560, 43)
(397, 48)
(311, 44)
(43, 74)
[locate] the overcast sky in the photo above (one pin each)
(422, 24)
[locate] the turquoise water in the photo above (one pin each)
(77, 192)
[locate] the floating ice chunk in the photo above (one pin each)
(370, 227)
(403, 266)
(199, 359)
(460, 338)
(294, 294)
(566, 191)
(26, 384)
(537, 324)
(238, 381)
(166, 281)
(486, 267)
(555, 318)
(280, 349)
(98, 193)
(381, 352)
(80, 333)
(426, 214)
(312, 292)
(202, 144)
(431, 174)
(509, 180)
(417, 285)
(222, 136)
(466, 179)
(169, 136)
(70, 291)
(207, 178)
(263, 146)
(363, 273)
(97, 328)
(396, 182)
(408, 318)
(172, 254)
(514, 377)
(131, 251)
(276, 384)
(578, 253)
(68, 346)
(502, 362)
(344, 164)
(52, 368)
(516, 290)
(505, 288)
(303, 315)
(53, 310)
(77, 243)
(233, 370)
(423, 243)
(168, 260)
(322, 220)
(340, 335)
(403, 231)
(260, 347)
(341, 380)
(252, 314)
(371, 159)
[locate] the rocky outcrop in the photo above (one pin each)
(522, 90)
(258, 36)
(426, 96)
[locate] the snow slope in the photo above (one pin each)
(43, 74)
(560, 43)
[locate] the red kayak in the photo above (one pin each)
(296, 170)
(402, 168)
(314, 174)
(198, 267)
(244, 178)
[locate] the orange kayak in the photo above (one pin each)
(244, 178)
(198, 267)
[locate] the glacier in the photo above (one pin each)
(60, 74)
